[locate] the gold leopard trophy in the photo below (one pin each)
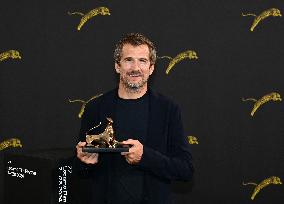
(105, 141)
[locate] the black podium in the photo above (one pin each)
(42, 176)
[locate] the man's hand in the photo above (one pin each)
(87, 158)
(135, 152)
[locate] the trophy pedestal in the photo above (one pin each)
(91, 149)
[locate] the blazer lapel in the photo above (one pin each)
(153, 118)
(158, 118)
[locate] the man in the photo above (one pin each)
(149, 122)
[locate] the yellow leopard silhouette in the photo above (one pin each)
(269, 12)
(13, 142)
(84, 103)
(190, 54)
(13, 54)
(192, 140)
(272, 180)
(274, 96)
(94, 12)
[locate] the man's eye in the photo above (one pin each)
(143, 60)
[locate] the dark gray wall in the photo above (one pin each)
(58, 62)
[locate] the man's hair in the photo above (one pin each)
(135, 39)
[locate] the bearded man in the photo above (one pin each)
(148, 122)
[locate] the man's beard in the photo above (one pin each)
(133, 87)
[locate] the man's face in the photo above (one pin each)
(134, 67)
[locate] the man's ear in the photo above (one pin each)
(117, 68)
(152, 69)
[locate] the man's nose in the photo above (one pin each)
(136, 64)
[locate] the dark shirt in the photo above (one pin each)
(131, 123)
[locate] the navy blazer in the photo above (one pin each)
(166, 153)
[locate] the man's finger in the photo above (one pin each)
(129, 161)
(93, 156)
(129, 142)
(90, 155)
(81, 144)
(90, 158)
(124, 153)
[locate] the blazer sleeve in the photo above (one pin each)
(176, 163)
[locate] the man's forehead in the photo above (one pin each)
(129, 49)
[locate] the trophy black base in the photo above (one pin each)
(101, 150)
